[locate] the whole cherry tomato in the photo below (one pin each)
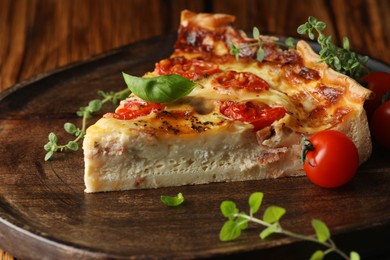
(330, 158)
(379, 83)
(380, 125)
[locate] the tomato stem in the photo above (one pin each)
(307, 146)
(385, 97)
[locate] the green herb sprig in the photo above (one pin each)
(52, 146)
(238, 221)
(342, 59)
(235, 50)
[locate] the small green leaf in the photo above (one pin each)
(48, 155)
(70, 128)
(321, 230)
(53, 138)
(290, 42)
(256, 33)
(269, 230)
(228, 208)
(229, 231)
(255, 200)
(354, 256)
(302, 29)
(80, 113)
(273, 214)
(242, 222)
(260, 54)
(311, 35)
(160, 89)
(47, 146)
(95, 105)
(318, 255)
(320, 25)
(346, 43)
(173, 201)
(312, 20)
(73, 146)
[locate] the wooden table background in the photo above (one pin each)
(41, 35)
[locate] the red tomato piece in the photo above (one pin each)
(380, 125)
(242, 80)
(191, 69)
(259, 116)
(379, 83)
(331, 159)
(134, 109)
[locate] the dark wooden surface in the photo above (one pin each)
(41, 35)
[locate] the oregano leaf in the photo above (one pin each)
(260, 54)
(229, 231)
(273, 214)
(354, 256)
(242, 222)
(95, 105)
(322, 231)
(317, 255)
(346, 43)
(53, 138)
(290, 42)
(173, 201)
(70, 128)
(302, 29)
(72, 145)
(160, 89)
(256, 33)
(255, 201)
(269, 230)
(48, 155)
(228, 208)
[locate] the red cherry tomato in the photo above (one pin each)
(192, 69)
(259, 116)
(332, 160)
(379, 83)
(134, 108)
(380, 125)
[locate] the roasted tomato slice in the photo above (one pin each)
(135, 108)
(192, 69)
(241, 80)
(259, 115)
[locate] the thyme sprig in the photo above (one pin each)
(236, 50)
(340, 59)
(52, 146)
(238, 221)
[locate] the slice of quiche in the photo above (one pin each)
(244, 120)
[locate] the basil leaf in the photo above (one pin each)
(160, 89)
(173, 201)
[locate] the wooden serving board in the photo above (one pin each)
(44, 211)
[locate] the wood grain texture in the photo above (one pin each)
(40, 35)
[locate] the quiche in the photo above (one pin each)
(244, 120)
